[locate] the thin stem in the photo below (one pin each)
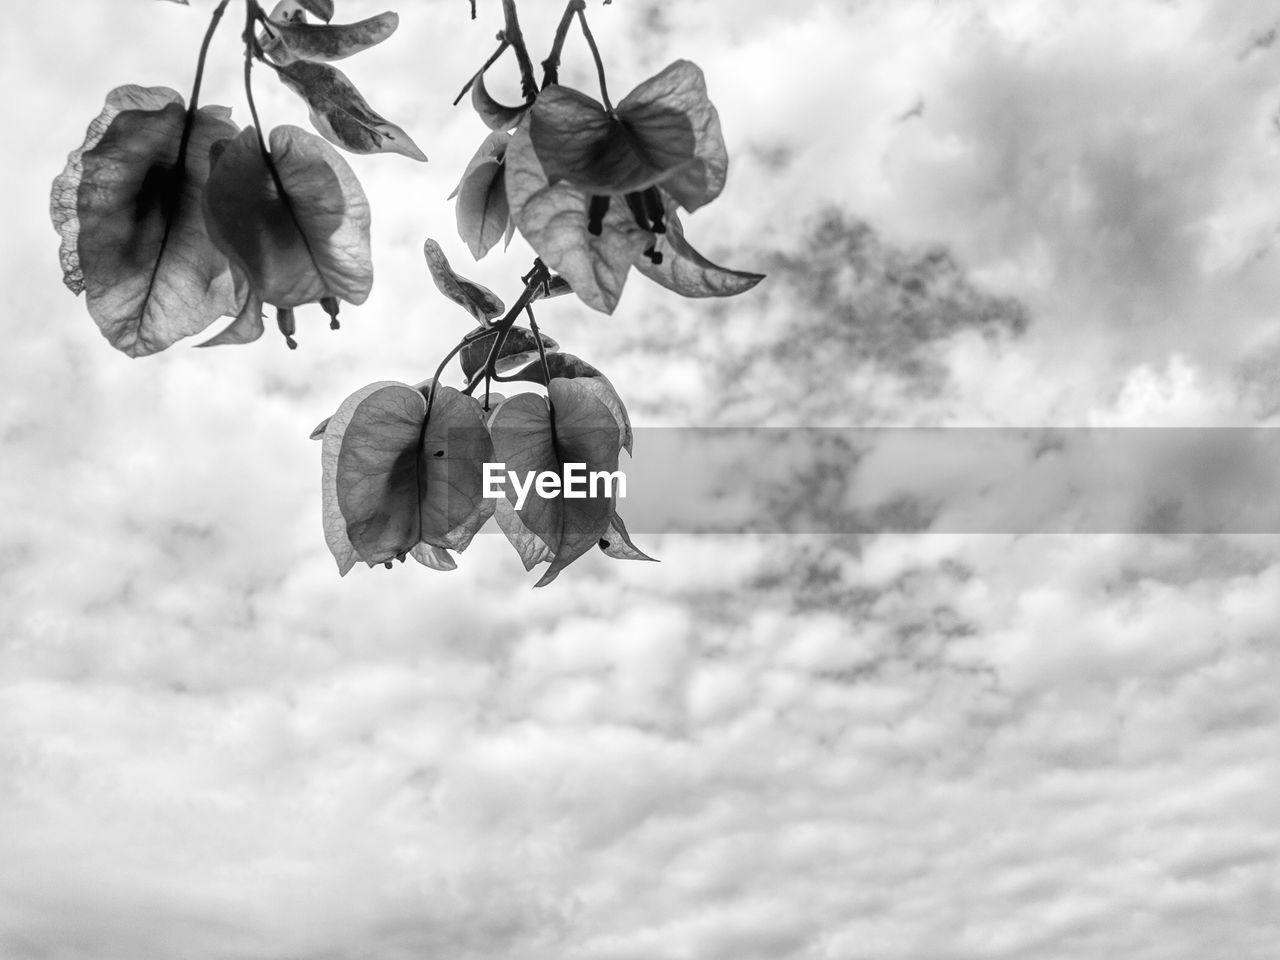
(502, 48)
(267, 28)
(483, 372)
(542, 352)
(435, 380)
(431, 399)
(546, 376)
(551, 65)
(173, 192)
(479, 334)
(535, 280)
(267, 63)
(595, 53)
(473, 337)
(486, 371)
(188, 123)
(214, 20)
(253, 13)
(513, 36)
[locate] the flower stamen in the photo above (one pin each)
(635, 201)
(596, 214)
(330, 305)
(288, 326)
(654, 208)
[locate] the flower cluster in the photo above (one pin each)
(596, 190)
(172, 216)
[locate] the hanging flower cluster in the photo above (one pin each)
(596, 189)
(172, 216)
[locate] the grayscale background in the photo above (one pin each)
(948, 744)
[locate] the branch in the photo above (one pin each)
(551, 65)
(595, 53)
(254, 13)
(534, 282)
(546, 375)
(502, 48)
(512, 35)
(188, 124)
(204, 53)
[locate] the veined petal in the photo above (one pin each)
(482, 210)
(133, 235)
(314, 247)
(341, 114)
(496, 116)
(247, 326)
(554, 219)
(297, 40)
(681, 91)
(687, 272)
(475, 298)
(578, 142)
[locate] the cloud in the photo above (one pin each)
(803, 747)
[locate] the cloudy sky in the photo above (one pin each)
(929, 745)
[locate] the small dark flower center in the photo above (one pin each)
(647, 209)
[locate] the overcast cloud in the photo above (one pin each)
(779, 747)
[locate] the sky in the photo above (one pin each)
(891, 746)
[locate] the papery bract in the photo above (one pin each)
(685, 271)
(335, 524)
(478, 300)
(320, 8)
(556, 528)
(404, 477)
(496, 116)
(129, 214)
(665, 132)
(436, 558)
(341, 115)
(482, 210)
(247, 325)
(555, 219)
(295, 40)
(596, 192)
(594, 240)
(519, 348)
(568, 367)
(529, 547)
(309, 246)
(455, 447)
(295, 11)
(616, 542)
